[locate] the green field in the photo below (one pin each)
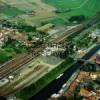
(10, 11)
(14, 8)
(78, 7)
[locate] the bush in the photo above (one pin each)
(79, 18)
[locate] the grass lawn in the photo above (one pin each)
(84, 7)
(27, 92)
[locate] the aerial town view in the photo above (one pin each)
(49, 49)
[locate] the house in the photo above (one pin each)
(85, 93)
(96, 34)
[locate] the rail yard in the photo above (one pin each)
(16, 63)
(43, 44)
(12, 66)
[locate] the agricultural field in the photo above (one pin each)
(75, 7)
(35, 11)
(21, 6)
(29, 10)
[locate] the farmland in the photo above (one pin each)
(76, 7)
(30, 10)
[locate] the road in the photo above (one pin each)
(56, 85)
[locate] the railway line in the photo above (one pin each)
(16, 63)
(68, 33)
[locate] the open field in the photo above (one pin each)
(77, 7)
(35, 11)
(22, 5)
(30, 10)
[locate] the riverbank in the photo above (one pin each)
(56, 85)
(24, 94)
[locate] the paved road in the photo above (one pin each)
(56, 85)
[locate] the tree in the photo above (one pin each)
(4, 56)
(79, 18)
(30, 37)
(2, 98)
(62, 98)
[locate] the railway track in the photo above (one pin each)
(68, 33)
(18, 62)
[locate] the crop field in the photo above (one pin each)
(35, 11)
(15, 7)
(76, 7)
(22, 5)
(30, 10)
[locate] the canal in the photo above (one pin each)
(56, 85)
